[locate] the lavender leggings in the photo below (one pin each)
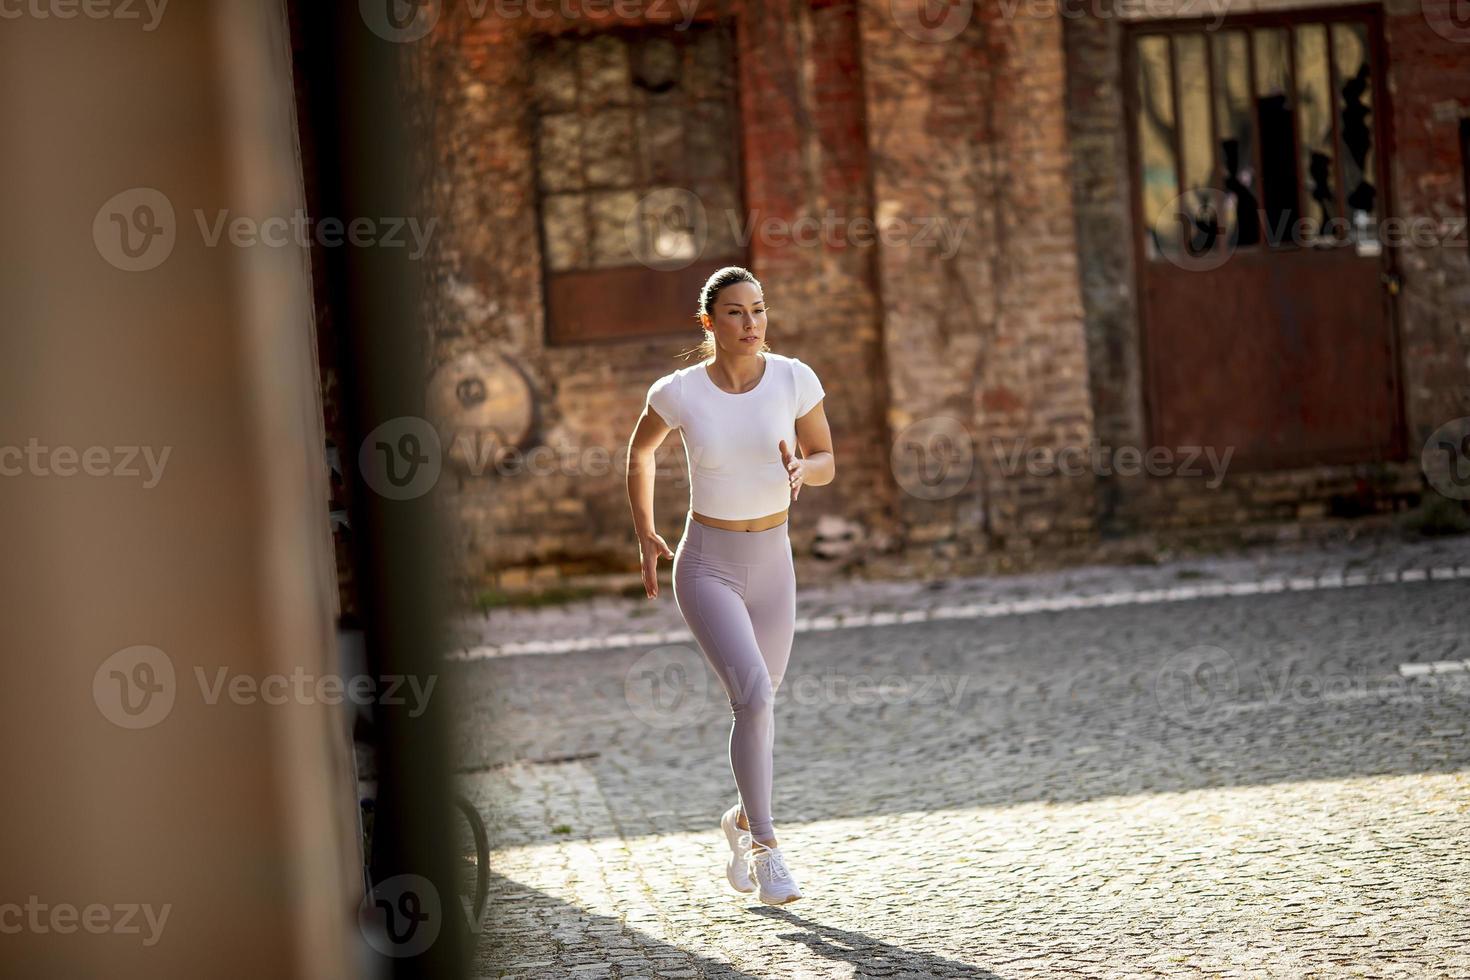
(737, 592)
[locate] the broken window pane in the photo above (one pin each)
(1351, 58)
(1278, 142)
(1196, 145)
(1235, 129)
(1314, 125)
(1158, 179)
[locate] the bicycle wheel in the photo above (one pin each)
(472, 856)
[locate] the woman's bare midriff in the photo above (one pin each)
(753, 524)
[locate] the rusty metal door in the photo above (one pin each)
(1257, 153)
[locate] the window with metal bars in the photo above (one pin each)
(1255, 135)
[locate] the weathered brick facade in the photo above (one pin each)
(1427, 81)
(1022, 336)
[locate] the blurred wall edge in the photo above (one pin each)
(191, 827)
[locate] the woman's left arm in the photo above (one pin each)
(816, 466)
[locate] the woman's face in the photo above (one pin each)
(738, 319)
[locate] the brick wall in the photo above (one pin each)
(970, 129)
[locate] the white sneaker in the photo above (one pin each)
(768, 867)
(736, 871)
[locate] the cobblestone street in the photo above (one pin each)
(1273, 784)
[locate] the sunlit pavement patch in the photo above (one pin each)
(1321, 877)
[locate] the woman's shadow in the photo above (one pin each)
(867, 956)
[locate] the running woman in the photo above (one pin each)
(744, 412)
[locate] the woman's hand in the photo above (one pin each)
(795, 470)
(651, 546)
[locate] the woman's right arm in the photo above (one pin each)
(647, 437)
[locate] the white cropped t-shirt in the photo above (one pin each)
(731, 441)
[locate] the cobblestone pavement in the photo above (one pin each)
(1241, 786)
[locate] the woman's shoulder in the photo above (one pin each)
(787, 361)
(673, 377)
(793, 365)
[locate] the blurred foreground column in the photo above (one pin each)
(178, 791)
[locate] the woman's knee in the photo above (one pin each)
(756, 696)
